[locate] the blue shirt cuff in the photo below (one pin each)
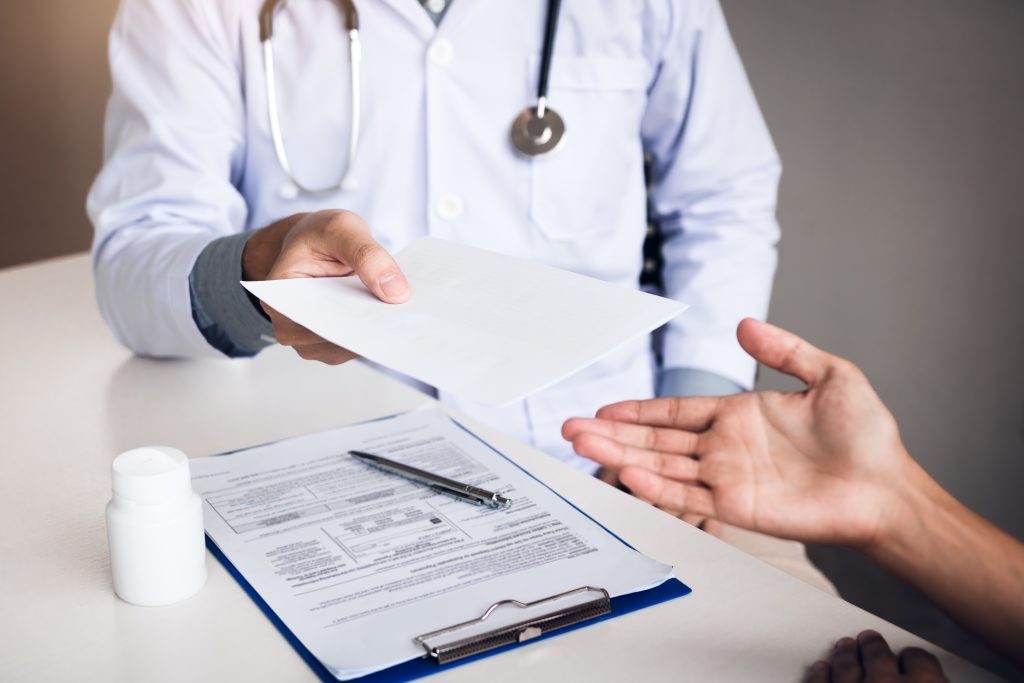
(227, 315)
(694, 382)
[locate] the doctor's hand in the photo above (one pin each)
(321, 244)
(821, 465)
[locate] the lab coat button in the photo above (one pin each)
(436, 6)
(441, 52)
(449, 206)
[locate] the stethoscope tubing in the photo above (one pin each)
(550, 31)
(355, 87)
(524, 135)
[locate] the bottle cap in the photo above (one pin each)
(153, 474)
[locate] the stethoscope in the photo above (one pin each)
(536, 130)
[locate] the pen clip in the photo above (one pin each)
(469, 497)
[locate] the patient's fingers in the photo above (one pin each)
(694, 414)
(668, 493)
(692, 519)
(819, 672)
(916, 662)
(617, 455)
(877, 657)
(712, 527)
(845, 662)
(641, 436)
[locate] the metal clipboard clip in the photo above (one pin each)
(519, 632)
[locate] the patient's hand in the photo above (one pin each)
(824, 464)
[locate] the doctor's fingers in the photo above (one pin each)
(616, 455)
(374, 266)
(287, 332)
(346, 237)
(328, 353)
(662, 439)
(692, 413)
(667, 493)
(306, 343)
(334, 243)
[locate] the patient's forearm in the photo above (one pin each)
(972, 570)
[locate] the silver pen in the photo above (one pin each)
(470, 494)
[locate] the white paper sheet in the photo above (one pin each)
(358, 562)
(487, 327)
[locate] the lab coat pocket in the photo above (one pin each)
(593, 181)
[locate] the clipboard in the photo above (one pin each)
(445, 648)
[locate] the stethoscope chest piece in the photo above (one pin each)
(537, 130)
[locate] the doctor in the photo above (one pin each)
(256, 139)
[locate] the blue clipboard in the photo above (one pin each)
(423, 666)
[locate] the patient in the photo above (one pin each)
(824, 465)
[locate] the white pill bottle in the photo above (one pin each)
(155, 528)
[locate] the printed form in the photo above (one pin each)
(357, 562)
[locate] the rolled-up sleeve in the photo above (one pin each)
(714, 182)
(173, 148)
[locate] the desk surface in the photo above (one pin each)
(72, 399)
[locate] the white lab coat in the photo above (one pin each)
(189, 158)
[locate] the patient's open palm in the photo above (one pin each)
(809, 465)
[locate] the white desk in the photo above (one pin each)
(71, 399)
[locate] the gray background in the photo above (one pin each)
(900, 127)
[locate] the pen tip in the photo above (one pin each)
(363, 456)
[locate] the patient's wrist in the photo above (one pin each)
(912, 502)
